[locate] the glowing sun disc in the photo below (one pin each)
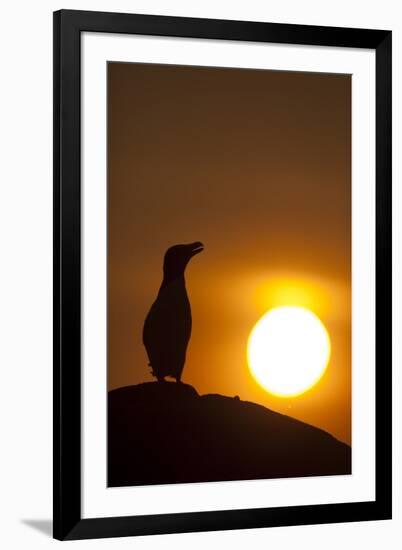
(288, 350)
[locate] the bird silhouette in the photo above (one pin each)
(167, 327)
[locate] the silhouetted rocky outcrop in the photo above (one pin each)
(167, 433)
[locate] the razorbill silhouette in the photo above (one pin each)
(167, 327)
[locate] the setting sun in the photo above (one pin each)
(288, 350)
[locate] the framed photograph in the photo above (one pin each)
(222, 274)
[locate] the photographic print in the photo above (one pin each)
(222, 275)
(228, 274)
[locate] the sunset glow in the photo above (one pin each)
(256, 164)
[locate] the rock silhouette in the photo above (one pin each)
(167, 433)
(167, 327)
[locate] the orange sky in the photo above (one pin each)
(257, 166)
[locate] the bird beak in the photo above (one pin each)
(196, 248)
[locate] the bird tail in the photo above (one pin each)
(152, 370)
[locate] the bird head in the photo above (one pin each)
(177, 258)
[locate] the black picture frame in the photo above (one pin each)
(68, 26)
